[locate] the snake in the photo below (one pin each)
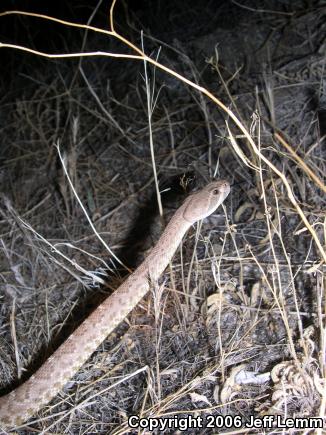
(26, 400)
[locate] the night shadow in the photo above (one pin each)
(148, 226)
(137, 241)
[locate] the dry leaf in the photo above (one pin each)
(245, 377)
(230, 385)
(216, 394)
(255, 293)
(199, 398)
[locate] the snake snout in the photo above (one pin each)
(224, 187)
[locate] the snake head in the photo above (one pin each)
(205, 201)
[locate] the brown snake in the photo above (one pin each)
(23, 402)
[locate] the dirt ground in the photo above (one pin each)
(235, 327)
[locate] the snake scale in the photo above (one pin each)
(26, 400)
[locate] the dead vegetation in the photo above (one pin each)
(236, 326)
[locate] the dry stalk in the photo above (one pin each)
(142, 56)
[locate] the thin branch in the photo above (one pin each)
(301, 163)
(142, 56)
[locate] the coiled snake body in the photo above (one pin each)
(23, 402)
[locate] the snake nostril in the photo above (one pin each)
(225, 185)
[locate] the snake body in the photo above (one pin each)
(26, 400)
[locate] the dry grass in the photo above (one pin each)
(236, 326)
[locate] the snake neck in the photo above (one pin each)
(163, 251)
